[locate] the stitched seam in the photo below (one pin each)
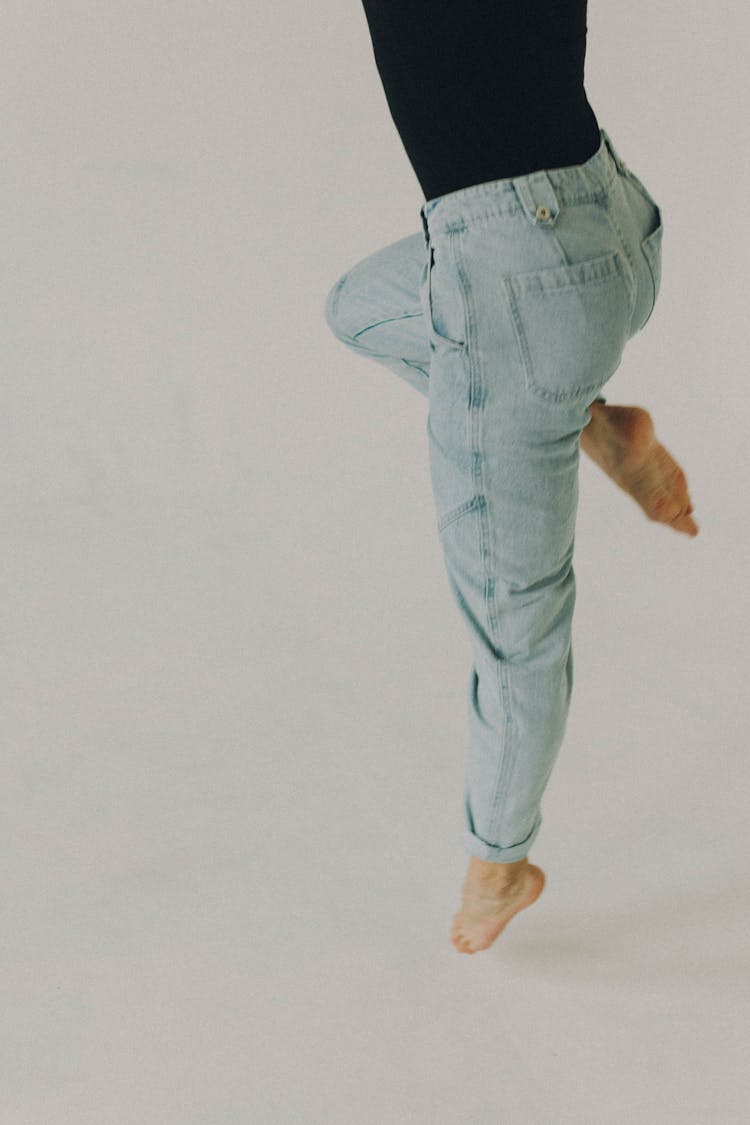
(460, 510)
(552, 289)
(387, 320)
(507, 757)
(416, 367)
(480, 218)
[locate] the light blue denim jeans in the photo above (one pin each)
(510, 311)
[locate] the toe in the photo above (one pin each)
(460, 940)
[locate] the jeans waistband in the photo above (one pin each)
(539, 193)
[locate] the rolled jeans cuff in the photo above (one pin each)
(480, 849)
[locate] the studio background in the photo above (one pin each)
(233, 680)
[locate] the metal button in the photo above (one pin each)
(543, 212)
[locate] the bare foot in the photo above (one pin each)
(492, 894)
(622, 441)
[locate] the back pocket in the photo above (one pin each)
(571, 324)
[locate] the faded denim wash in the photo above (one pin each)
(510, 311)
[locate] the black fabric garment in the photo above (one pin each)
(484, 89)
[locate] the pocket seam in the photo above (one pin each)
(618, 271)
(581, 275)
(461, 509)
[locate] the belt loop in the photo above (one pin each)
(424, 224)
(619, 162)
(538, 197)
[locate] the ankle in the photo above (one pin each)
(597, 435)
(482, 871)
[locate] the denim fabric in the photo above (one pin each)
(510, 311)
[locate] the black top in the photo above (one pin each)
(484, 89)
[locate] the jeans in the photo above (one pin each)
(510, 311)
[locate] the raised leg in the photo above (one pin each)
(374, 309)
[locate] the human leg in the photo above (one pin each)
(374, 308)
(532, 294)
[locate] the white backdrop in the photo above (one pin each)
(233, 681)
